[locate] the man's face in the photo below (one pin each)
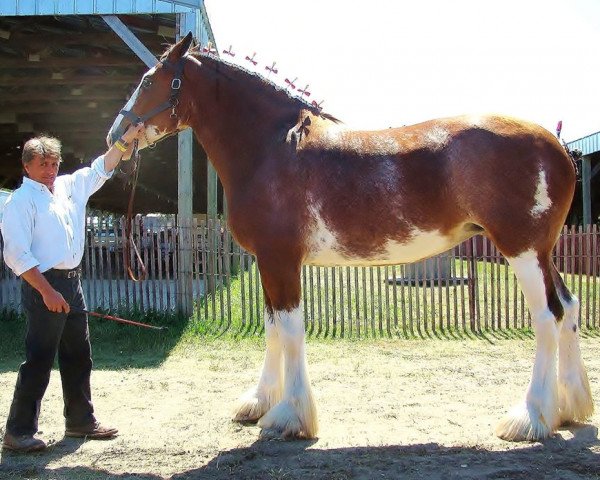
(43, 170)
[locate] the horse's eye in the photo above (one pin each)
(146, 83)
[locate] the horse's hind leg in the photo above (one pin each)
(537, 417)
(574, 395)
(259, 399)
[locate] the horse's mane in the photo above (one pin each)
(237, 72)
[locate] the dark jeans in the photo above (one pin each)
(47, 333)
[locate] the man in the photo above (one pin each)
(43, 228)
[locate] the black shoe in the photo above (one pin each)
(94, 430)
(22, 443)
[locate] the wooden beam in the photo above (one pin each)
(41, 41)
(131, 40)
(81, 107)
(87, 94)
(52, 62)
(40, 81)
(78, 116)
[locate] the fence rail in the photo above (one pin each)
(469, 288)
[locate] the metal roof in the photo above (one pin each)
(96, 7)
(587, 145)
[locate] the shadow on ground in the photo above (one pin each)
(279, 460)
(114, 345)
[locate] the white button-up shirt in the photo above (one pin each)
(46, 229)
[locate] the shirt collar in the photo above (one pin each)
(40, 187)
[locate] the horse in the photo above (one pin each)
(303, 188)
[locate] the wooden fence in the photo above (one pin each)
(470, 288)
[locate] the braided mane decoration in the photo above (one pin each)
(235, 72)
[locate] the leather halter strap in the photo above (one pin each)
(171, 103)
(129, 241)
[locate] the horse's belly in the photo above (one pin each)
(326, 250)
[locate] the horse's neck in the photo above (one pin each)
(237, 139)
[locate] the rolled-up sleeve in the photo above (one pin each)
(89, 179)
(99, 167)
(17, 234)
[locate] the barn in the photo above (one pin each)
(586, 205)
(66, 69)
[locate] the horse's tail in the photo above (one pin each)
(575, 155)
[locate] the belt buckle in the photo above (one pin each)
(72, 274)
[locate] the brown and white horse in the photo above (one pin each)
(303, 189)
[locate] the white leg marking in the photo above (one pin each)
(537, 417)
(295, 415)
(574, 395)
(259, 399)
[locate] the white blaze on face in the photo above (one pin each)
(325, 248)
(542, 200)
(130, 103)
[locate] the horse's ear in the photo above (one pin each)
(181, 47)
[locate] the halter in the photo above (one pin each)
(171, 103)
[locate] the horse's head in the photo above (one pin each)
(156, 100)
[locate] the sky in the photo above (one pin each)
(377, 64)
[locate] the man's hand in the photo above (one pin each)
(133, 132)
(55, 301)
(113, 156)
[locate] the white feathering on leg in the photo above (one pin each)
(295, 416)
(259, 399)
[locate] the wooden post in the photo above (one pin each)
(187, 22)
(184, 223)
(213, 234)
(585, 189)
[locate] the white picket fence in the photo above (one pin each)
(470, 288)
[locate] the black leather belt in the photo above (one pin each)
(57, 272)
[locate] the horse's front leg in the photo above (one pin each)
(294, 415)
(259, 399)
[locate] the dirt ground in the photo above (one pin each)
(388, 409)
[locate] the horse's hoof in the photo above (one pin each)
(520, 426)
(252, 405)
(269, 434)
(575, 400)
(287, 425)
(249, 411)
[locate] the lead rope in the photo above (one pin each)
(136, 158)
